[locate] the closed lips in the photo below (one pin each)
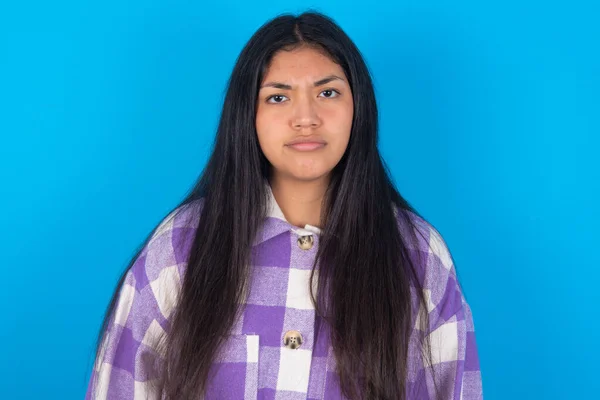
(306, 140)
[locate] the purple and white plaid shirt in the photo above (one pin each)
(255, 363)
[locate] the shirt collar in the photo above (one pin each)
(276, 223)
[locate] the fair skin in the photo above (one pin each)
(304, 95)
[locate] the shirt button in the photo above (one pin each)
(306, 242)
(292, 339)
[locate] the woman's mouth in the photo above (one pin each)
(307, 146)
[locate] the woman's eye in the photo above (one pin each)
(330, 93)
(277, 98)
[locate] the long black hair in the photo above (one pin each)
(365, 271)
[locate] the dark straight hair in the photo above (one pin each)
(362, 253)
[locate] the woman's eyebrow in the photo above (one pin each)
(284, 86)
(326, 80)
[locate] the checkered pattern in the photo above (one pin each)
(254, 363)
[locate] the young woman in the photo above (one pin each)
(293, 269)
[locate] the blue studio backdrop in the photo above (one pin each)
(489, 122)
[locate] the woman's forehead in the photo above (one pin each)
(300, 64)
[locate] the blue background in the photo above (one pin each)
(490, 123)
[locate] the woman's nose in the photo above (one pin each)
(305, 113)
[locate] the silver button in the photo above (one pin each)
(306, 242)
(292, 339)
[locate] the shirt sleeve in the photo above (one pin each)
(455, 361)
(129, 360)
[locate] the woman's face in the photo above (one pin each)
(304, 96)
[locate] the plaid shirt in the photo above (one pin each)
(255, 363)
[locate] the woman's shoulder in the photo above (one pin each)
(171, 236)
(434, 265)
(426, 238)
(161, 263)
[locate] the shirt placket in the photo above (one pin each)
(298, 333)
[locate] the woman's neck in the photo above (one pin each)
(300, 201)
